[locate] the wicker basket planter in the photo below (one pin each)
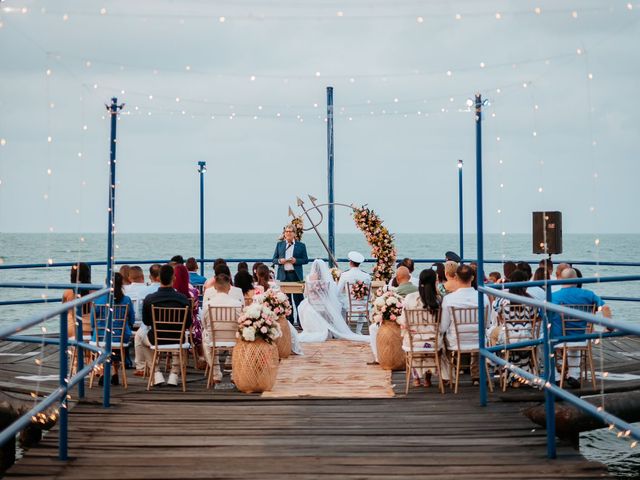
(255, 366)
(389, 344)
(284, 341)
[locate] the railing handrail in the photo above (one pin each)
(589, 317)
(51, 286)
(565, 281)
(269, 259)
(41, 317)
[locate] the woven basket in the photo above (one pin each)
(255, 366)
(284, 342)
(389, 344)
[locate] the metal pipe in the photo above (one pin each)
(62, 375)
(549, 374)
(480, 233)
(330, 169)
(202, 168)
(460, 206)
(10, 330)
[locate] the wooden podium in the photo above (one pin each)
(292, 287)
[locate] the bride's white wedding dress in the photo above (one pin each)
(320, 313)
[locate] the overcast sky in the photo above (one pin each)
(241, 85)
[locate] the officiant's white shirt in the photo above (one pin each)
(354, 274)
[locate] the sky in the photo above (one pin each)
(242, 85)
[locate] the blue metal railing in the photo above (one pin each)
(548, 341)
(60, 394)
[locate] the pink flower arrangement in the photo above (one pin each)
(387, 307)
(380, 241)
(276, 301)
(298, 225)
(257, 321)
(359, 290)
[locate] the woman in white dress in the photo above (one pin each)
(320, 313)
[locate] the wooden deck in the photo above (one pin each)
(224, 434)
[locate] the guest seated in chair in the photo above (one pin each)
(166, 296)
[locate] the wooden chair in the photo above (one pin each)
(118, 329)
(358, 309)
(465, 322)
(221, 326)
(85, 320)
(169, 338)
(423, 334)
(520, 324)
(575, 326)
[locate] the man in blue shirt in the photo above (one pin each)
(574, 295)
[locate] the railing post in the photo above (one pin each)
(202, 168)
(79, 351)
(460, 206)
(480, 271)
(63, 378)
(550, 378)
(113, 111)
(330, 158)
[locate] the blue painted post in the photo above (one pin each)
(481, 336)
(331, 217)
(550, 377)
(461, 216)
(202, 168)
(113, 111)
(80, 350)
(64, 367)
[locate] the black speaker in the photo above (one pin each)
(552, 223)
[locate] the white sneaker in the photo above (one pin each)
(173, 380)
(158, 379)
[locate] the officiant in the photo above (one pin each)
(290, 255)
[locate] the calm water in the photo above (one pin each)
(38, 248)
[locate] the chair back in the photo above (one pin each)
(359, 306)
(519, 322)
(118, 323)
(136, 304)
(169, 324)
(222, 322)
(423, 329)
(576, 326)
(465, 321)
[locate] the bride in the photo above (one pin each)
(320, 313)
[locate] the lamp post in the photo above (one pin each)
(461, 217)
(202, 169)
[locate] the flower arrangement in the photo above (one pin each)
(258, 321)
(335, 273)
(359, 290)
(380, 240)
(298, 225)
(276, 301)
(387, 307)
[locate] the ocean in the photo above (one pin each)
(599, 445)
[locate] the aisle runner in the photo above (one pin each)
(336, 368)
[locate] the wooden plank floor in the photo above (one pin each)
(222, 433)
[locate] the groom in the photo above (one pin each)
(290, 256)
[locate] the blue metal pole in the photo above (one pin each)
(64, 367)
(481, 336)
(550, 377)
(202, 168)
(460, 205)
(330, 166)
(113, 111)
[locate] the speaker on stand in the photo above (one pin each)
(547, 233)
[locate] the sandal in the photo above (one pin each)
(416, 382)
(427, 379)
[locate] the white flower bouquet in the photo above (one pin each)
(258, 321)
(387, 307)
(277, 302)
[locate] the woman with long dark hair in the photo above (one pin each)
(518, 318)
(119, 299)
(263, 276)
(181, 284)
(244, 281)
(428, 298)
